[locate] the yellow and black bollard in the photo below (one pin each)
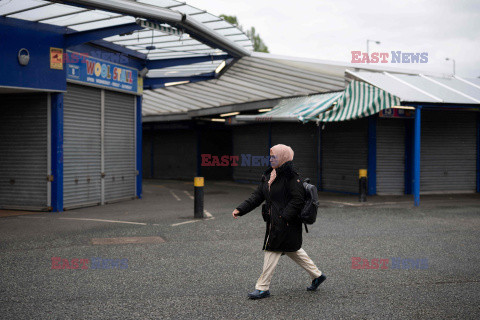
(198, 184)
(362, 183)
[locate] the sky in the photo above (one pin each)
(332, 29)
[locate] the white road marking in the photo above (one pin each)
(344, 203)
(175, 196)
(31, 217)
(188, 194)
(177, 224)
(101, 220)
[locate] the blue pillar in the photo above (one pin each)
(478, 152)
(416, 156)
(139, 147)
(57, 151)
(372, 155)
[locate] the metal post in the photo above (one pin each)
(362, 185)
(198, 184)
(57, 151)
(416, 157)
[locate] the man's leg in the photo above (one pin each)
(269, 263)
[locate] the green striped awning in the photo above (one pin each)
(359, 100)
(296, 109)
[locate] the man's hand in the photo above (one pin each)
(235, 213)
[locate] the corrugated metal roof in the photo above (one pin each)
(79, 17)
(253, 78)
(422, 88)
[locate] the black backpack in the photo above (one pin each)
(310, 208)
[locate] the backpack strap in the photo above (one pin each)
(306, 229)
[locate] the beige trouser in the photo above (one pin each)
(271, 260)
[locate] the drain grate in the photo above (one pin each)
(127, 240)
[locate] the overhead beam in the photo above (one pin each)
(76, 38)
(121, 49)
(155, 83)
(165, 63)
(140, 10)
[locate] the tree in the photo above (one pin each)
(258, 44)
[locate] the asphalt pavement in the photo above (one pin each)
(160, 263)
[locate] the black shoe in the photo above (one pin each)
(316, 282)
(257, 294)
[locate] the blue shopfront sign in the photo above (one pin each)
(86, 69)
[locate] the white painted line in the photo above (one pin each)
(30, 217)
(177, 224)
(101, 220)
(188, 194)
(344, 203)
(175, 196)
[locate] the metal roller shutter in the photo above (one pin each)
(23, 149)
(82, 147)
(120, 170)
(448, 152)
(175, 154)
(253, 140)
(390, 156)
(302, 138)
(344, 152)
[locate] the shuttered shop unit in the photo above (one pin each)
(390, 156)
(23, 151)
(344, 152)
(302, 138)
(250, 140)
(82, 146)
(448, 151)
(82, 177)
(120, 171)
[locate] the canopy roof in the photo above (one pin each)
(422, 88)
(253, 78)
(204, 33)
